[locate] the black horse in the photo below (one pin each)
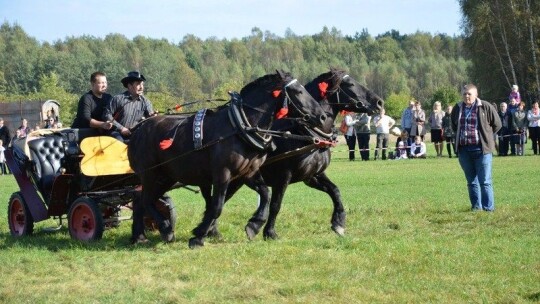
(212, 150)
(301, 159)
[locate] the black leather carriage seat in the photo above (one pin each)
(46, 153)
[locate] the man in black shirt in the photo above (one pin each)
(127, 109)
(92, 105)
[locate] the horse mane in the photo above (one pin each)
(270, 81)
(333, 78)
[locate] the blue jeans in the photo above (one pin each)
(477, 169)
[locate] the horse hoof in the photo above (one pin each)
(195, 243)
(141, 239)
(214, 233)
(168, 237)
(251, 232)
(339, 230)
(270, 236)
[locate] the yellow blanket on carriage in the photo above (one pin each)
(104, 155)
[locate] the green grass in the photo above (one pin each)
(410, 238)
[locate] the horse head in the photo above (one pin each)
(290, 99)
(344, 93)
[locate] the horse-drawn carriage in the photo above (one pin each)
(56, 176)
(75, 175)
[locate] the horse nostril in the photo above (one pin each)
(323, 118)
(358, 105)
(306, 118)
(380, 104)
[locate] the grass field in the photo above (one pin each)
(410, 238)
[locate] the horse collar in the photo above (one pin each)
(240, 122)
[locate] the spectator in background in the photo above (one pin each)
(3, 167)
(92, 105)
(403, 142)
(513, 106)
(350, 135)
(419, 119)
(514, 94)
(407, 117)
(50, 123)
(435, 121)
(533, 116)
(363, 133)
(5, 135)
(401, 151)
(23, 130)
(474, 122)
(5, 138)
(382, 123)
(495, 136)
(418, 148)
(519, 128)
(504, 133)
(448, 132)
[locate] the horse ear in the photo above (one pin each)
(280, 73)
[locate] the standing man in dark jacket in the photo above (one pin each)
(127, 109)
(474, 122)
(505, 131)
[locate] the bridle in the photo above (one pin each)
(338, 91)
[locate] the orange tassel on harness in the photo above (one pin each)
(165, 144)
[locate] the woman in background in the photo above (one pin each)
(533, 116)
(435, 121)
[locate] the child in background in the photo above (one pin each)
(401, 151)
(418, 148)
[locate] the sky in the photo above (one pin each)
(53, 20)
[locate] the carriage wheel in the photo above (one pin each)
(85, 220)
(19, 218)
(166, 208)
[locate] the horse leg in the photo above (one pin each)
(278, 191)
(260, 216)
(206, 192)
(151, 192)
(137, 226)
(212, 212)
(322, 182)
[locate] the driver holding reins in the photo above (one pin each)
(130, 107)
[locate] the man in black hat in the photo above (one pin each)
(127, 109)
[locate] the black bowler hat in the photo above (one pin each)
(131, 76)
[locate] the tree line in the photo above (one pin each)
(419, 66)
(502, 38)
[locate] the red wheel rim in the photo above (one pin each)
(83, 222)
(17, 217)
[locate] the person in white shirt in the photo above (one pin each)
(382, 123)
(533, 116)
(350, 135)
(418, 148)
